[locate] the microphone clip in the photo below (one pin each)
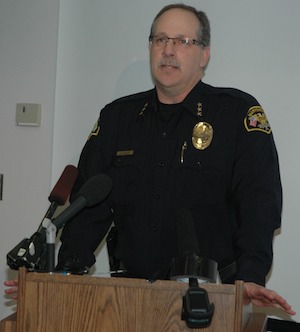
(29, 253)
(197, 311)
(36, 253)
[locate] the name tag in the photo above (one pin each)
(125, 153)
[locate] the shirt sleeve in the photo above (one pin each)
(257, 195)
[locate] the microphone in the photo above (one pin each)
(30, 252)
(189, 264)
(64, 185)
(187, 241)
(94, 191)
(197, 311)
(187, 245)
(61, 191)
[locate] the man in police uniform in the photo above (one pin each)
(189, 146)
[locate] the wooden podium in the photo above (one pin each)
(69, 303)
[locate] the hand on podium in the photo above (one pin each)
(264, 297)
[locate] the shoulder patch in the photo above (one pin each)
(95, 130)
(256, 120)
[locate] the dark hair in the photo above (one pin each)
(204, 31)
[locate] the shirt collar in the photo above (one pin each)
(192, 101)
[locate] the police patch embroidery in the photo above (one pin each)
(256, 120)
(95, 130)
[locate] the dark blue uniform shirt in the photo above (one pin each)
(231, 187)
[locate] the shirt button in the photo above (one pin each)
(161, 165)
(164, 134)
(154, 229)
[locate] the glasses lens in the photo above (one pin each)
(162, 41)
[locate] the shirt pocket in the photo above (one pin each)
(198, 184)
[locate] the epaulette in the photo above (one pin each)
(230, 91)
(134, 97)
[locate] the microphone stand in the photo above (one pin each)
(51, 230)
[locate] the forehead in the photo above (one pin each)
(177, 21)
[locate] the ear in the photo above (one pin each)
(205, 56)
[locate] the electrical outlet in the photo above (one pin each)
(28, 115)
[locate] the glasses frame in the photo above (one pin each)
(176, 41)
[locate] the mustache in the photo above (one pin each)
(169, 62)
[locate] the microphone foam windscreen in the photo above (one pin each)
(96, 189)
(187, 240)
(61, 191)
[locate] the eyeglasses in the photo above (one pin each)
(178, 42)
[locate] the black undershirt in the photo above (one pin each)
(166, 111)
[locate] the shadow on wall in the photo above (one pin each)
(135, 78)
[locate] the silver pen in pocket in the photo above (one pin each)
(183, 149)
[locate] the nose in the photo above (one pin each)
(169, 48)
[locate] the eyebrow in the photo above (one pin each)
(163, 34)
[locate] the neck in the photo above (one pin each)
(170, 98)
(171, 95)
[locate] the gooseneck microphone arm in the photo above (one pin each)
(93, 192)
(50, 244)
(37, 253)
(31, 253)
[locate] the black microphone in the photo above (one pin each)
(93, 192)
(197, 311)
(31, 252)
(189, 264)
(187, 240)
(187, 245)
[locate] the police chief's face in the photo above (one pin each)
(175, 68)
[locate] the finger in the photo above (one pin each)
(281, 303)
(13, 282)
(264, 302)
(11, 290)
